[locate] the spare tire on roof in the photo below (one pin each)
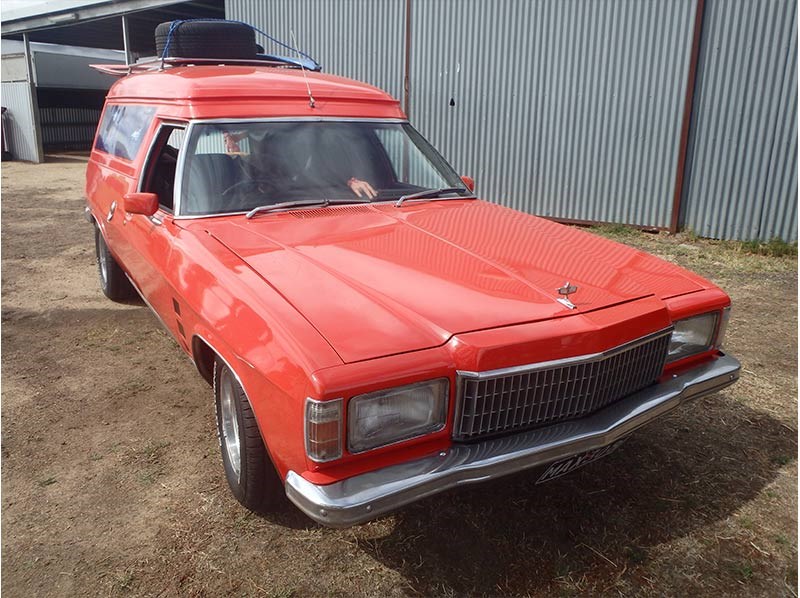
(206, 39)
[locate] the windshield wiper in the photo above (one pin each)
(285, 205)
(432, 193)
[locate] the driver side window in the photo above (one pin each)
(160, 174)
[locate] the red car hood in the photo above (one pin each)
(376, 280)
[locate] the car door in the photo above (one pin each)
(150, 238)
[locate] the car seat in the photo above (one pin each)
(209, 176)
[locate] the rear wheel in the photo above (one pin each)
(113, 282)
(248, 468)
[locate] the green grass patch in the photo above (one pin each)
(744, 571)
(615, 230)
(746, 522)
(781, 459)
(774, 248)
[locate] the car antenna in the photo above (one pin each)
(311, 101)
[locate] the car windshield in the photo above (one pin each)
(236, 167)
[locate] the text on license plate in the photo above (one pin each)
(570, 464)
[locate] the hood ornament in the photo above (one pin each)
(565, 292)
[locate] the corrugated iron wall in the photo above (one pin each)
(573, 109)
(68, 128)
(742, 155)
(563, 109)
(17, 98)
(361, 39)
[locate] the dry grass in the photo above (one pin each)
(112, 482)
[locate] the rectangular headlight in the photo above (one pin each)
(389, 416)
(692, 335)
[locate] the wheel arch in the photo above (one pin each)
(203, 355)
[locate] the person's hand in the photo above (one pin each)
(232, 141)
(362, 188)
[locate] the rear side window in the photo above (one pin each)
(122, 130)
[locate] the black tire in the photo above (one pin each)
(113, 282)
(254, 482)
(207, 39)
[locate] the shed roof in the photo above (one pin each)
(96, 23)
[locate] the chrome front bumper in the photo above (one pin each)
(369, 495)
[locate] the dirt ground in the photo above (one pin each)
(112, 483)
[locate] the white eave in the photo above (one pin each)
(21, 17)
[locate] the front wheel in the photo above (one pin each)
(248, 468)
(113, 282)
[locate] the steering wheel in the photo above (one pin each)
(260, 185)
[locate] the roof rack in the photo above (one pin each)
(158, 64)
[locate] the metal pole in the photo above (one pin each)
(407, 66)
(674, 224)
(37, 125)
(126, 41)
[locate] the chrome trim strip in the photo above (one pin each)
(244, 212)
(152, 309)
(177, 190)
(151, 147)
(201, 216)
(580, 359)
(369, 495)
(225, 361)
(723, 320)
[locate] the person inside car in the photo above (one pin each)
(264, 163)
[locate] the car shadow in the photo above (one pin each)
(694, 467)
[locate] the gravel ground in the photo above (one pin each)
(112, 482)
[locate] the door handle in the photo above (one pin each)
(112, 208)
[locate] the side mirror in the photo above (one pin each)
(469, 182)
(141, 203)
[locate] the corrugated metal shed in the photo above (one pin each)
(17, 98)
(563, 109)
(574, 109)
(361, 39)
(742, 161)
(68, 128)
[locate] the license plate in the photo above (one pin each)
(570, 464)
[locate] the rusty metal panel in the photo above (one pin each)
(361, 39)
(20, 120)
(742, 161)
(564, 109)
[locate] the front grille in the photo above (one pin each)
(492, 403)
